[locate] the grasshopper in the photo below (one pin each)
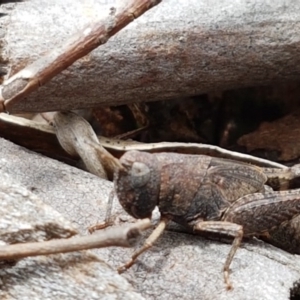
(205, 194)
(200, 192)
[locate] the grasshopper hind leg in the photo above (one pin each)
(230, 229)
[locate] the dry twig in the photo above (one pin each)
(78, 138)
(125, 236)
(42, 138)
(41, 71)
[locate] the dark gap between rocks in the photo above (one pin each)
(295, 291)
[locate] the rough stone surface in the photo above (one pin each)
(178, 48)
(64, 188)
(74, 276)
(25, 218)
(180, 265)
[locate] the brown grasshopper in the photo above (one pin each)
(198, 191)
(202, 193)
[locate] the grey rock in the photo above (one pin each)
(180, 265)
(25, 218)
(78, 275)
(176, 49)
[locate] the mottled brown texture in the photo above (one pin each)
(261, 212)
(286, 236)
(138, 183)
(185, 187)
(280, 136)
(203, 193)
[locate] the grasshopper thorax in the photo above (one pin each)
(137, 184)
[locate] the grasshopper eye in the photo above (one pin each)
(140, 174)
(137, 184)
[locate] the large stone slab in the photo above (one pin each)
(179, 266)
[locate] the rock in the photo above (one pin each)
(25, 218)
(78, 275)
(179, 266)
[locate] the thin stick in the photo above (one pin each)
(109, 220)
(46, 132)
(77, 137)
(44, 69)
(118, 237)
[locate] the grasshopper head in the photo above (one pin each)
(137, 184)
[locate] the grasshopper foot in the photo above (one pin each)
(126, 266)
(100, 226)
(227, 281)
